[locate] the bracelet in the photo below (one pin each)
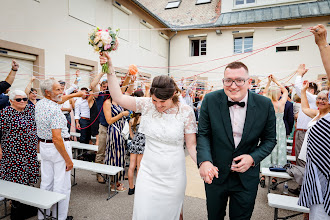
(13, 70)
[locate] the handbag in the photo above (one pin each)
(125, 132)
(20, 211)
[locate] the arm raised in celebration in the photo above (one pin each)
(125, 101)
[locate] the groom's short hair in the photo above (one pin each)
(237, 65)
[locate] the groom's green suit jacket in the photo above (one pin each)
(215, 142)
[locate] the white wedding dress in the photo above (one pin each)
(161, 181)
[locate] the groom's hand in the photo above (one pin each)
(245, 162)
(207, 171)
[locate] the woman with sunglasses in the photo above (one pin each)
(315, 151)
(18, 150)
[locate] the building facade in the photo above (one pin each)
(50, 38)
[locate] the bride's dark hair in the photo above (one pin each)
(164, 87)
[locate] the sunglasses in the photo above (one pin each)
(20, 99)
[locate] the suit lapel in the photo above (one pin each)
(249, 119)
(225, 115)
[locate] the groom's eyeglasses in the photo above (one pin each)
(20, 99)
(238, 82)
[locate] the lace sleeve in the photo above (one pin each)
(190, 126)
(142, 104)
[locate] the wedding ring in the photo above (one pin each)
(317, 29)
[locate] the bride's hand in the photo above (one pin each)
(104, 58)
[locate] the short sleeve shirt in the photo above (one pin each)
(49, 116)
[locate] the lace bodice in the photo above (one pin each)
(169, 126)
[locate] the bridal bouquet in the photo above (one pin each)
(104, 40)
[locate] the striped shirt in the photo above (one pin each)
(315, 189)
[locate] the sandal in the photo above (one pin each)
(262, 181)
(120, 188)
(274, 184)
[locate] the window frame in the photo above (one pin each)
(199, 48)
(287, 49)
(244, 3)
(243, 43)
(167, 6)
(203, 2)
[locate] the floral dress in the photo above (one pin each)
(136, 146)
(19, 140)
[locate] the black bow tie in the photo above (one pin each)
(241, 104)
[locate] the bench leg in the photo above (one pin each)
(5, 205)
(269, 184)
(74, 177)
(276, 214)
(45, 216)
(56, 211)
(115, 184)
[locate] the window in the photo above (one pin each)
(199, 2)
(173, 4)
(242, 2)
(243, 44)
(288, 48)
(198, 47)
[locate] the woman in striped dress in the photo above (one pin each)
(315, 191)
(116, 144)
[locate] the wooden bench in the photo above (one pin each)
(269, 174)
(97, 168)
(42, 199)
(80, 146)
(277, 201)
(75, 134)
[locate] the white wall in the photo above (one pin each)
(47, 25)
(261, 64)
(229, 5)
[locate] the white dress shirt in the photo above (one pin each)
(66, 104)
(303, 119)
(237, 117)
(71, 89)
(82, 109)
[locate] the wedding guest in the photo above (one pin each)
(165, 123)
(101, 96)
(4, 85)
(314, 191)
(19, 134)
(116, 144)
(82, 116)
(31, 92)
(136, 146)
(55, 149)
(303, 119)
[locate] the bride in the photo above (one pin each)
(161, 183)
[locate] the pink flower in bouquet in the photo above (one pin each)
(107, 46)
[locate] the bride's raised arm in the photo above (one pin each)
(125, 101)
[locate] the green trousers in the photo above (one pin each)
(241, 200)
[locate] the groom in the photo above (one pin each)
(236, 131)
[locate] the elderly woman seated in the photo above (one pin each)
(18, 149)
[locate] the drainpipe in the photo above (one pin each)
(169, 54)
